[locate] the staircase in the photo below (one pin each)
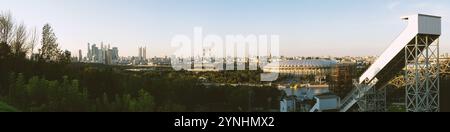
(356, 94)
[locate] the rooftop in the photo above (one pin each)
(317, 63)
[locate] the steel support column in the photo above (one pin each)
(422, 74)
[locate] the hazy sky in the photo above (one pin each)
(306, 27)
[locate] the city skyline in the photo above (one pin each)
(306, 28)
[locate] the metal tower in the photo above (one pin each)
(417, 49)
(422, 74)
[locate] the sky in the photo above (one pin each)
(305, 27)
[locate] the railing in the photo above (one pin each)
(356, 94)
(315, 107)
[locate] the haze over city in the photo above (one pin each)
(306, 27)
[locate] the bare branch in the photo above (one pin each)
(33, 40)
(19, 43)
(6, 27)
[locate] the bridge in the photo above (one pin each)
(444, 70)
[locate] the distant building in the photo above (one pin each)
(103, 54)
(341, 78)
(326, 102)
(166, 61)
(140, 53)
(95, 54)
(314, 69)
(80, 56)
(89, 54)
(141, 59)
(300, 99)
(144, 53)
(115, 54)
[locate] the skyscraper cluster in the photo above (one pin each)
(103, 54)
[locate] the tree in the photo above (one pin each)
(64, 57)
(17, 92)
(19, 43)
(16, 36)
(144, 102)
(6, 27)
(34, 39)
(5, 51)
(49, 51)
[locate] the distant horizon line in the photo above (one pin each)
(162, 56)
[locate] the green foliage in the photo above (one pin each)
(144, 102)
(112, 89)
(232, 77)
(57, 86)
(6, 108)
(39, 94)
